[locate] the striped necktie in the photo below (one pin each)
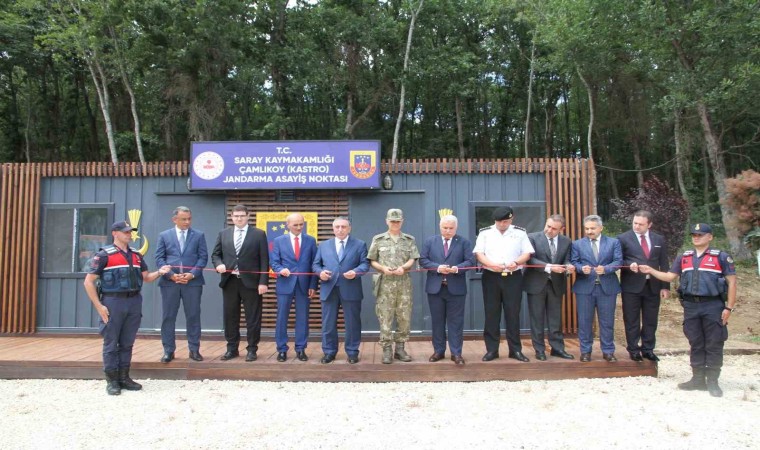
(239, 241)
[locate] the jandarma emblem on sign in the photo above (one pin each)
(363, 163)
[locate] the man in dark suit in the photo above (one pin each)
(340, 262)
(641, 292)
(291, 258)
(546, 285)
(242, 257)
(596, 259)
(443, 256)
(185, 250)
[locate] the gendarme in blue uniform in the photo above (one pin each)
(121, 279)
(702, 285)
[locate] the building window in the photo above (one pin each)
(71, 234)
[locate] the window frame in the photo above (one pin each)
(76, 235)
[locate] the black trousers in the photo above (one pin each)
(546, 308)
(502, 294)
(233, 294)
(640, 316)
(705, 332)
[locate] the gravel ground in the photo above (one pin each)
(638, 413)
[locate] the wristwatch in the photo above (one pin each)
(729, 309)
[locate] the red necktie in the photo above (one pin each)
(445, 247)
(298, 248)
(645, 246)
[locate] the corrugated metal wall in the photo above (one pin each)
(568, 188)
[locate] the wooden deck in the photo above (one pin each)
(36, 357)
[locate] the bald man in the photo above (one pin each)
(291, 258)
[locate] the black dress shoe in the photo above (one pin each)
(229, 355)
(561, 354)
(251, 356)
(518, 356)
(282, 356)
(327, 359)
(167, 358)
(302, 356)
(650, 356)
(585, 357)
(541, 356)
(435, 357)
(609, 357)
(353, 359)
(636, 356)
(195, 356)
(458, 360)
(490, 356)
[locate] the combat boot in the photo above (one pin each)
(113, 387)
(127, 383)
(387, 355)
(401, 354)
(697, 382)
(711, 376)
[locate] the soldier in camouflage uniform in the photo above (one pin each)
(393, 254)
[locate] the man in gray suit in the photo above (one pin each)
(184, 249)
(546, 285)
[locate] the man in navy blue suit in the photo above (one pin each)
(291, 258)
(340, 262)
(596, 259)
(184, 249)
(443, 255)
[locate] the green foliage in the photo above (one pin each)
(332, 69)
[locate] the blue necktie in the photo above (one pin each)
(341, 250)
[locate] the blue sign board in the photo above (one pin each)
(285, 165)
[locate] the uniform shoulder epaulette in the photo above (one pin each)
(714, 252)
(408, 236)
(484, 229)
(110, 249)
(688, 253)
(378, 236)
(519, 228)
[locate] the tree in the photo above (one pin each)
(402, 96)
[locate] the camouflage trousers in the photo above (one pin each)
(394, 301)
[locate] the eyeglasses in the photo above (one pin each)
(240, 216)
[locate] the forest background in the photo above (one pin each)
(646, 88)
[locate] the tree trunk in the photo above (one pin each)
(101, 87)
(706, 185)
(590, 93)
(400, 117)
(530, 98)
(714, 152)
(460, 132)
(636, 149)
(130, 91)
(681, 153)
